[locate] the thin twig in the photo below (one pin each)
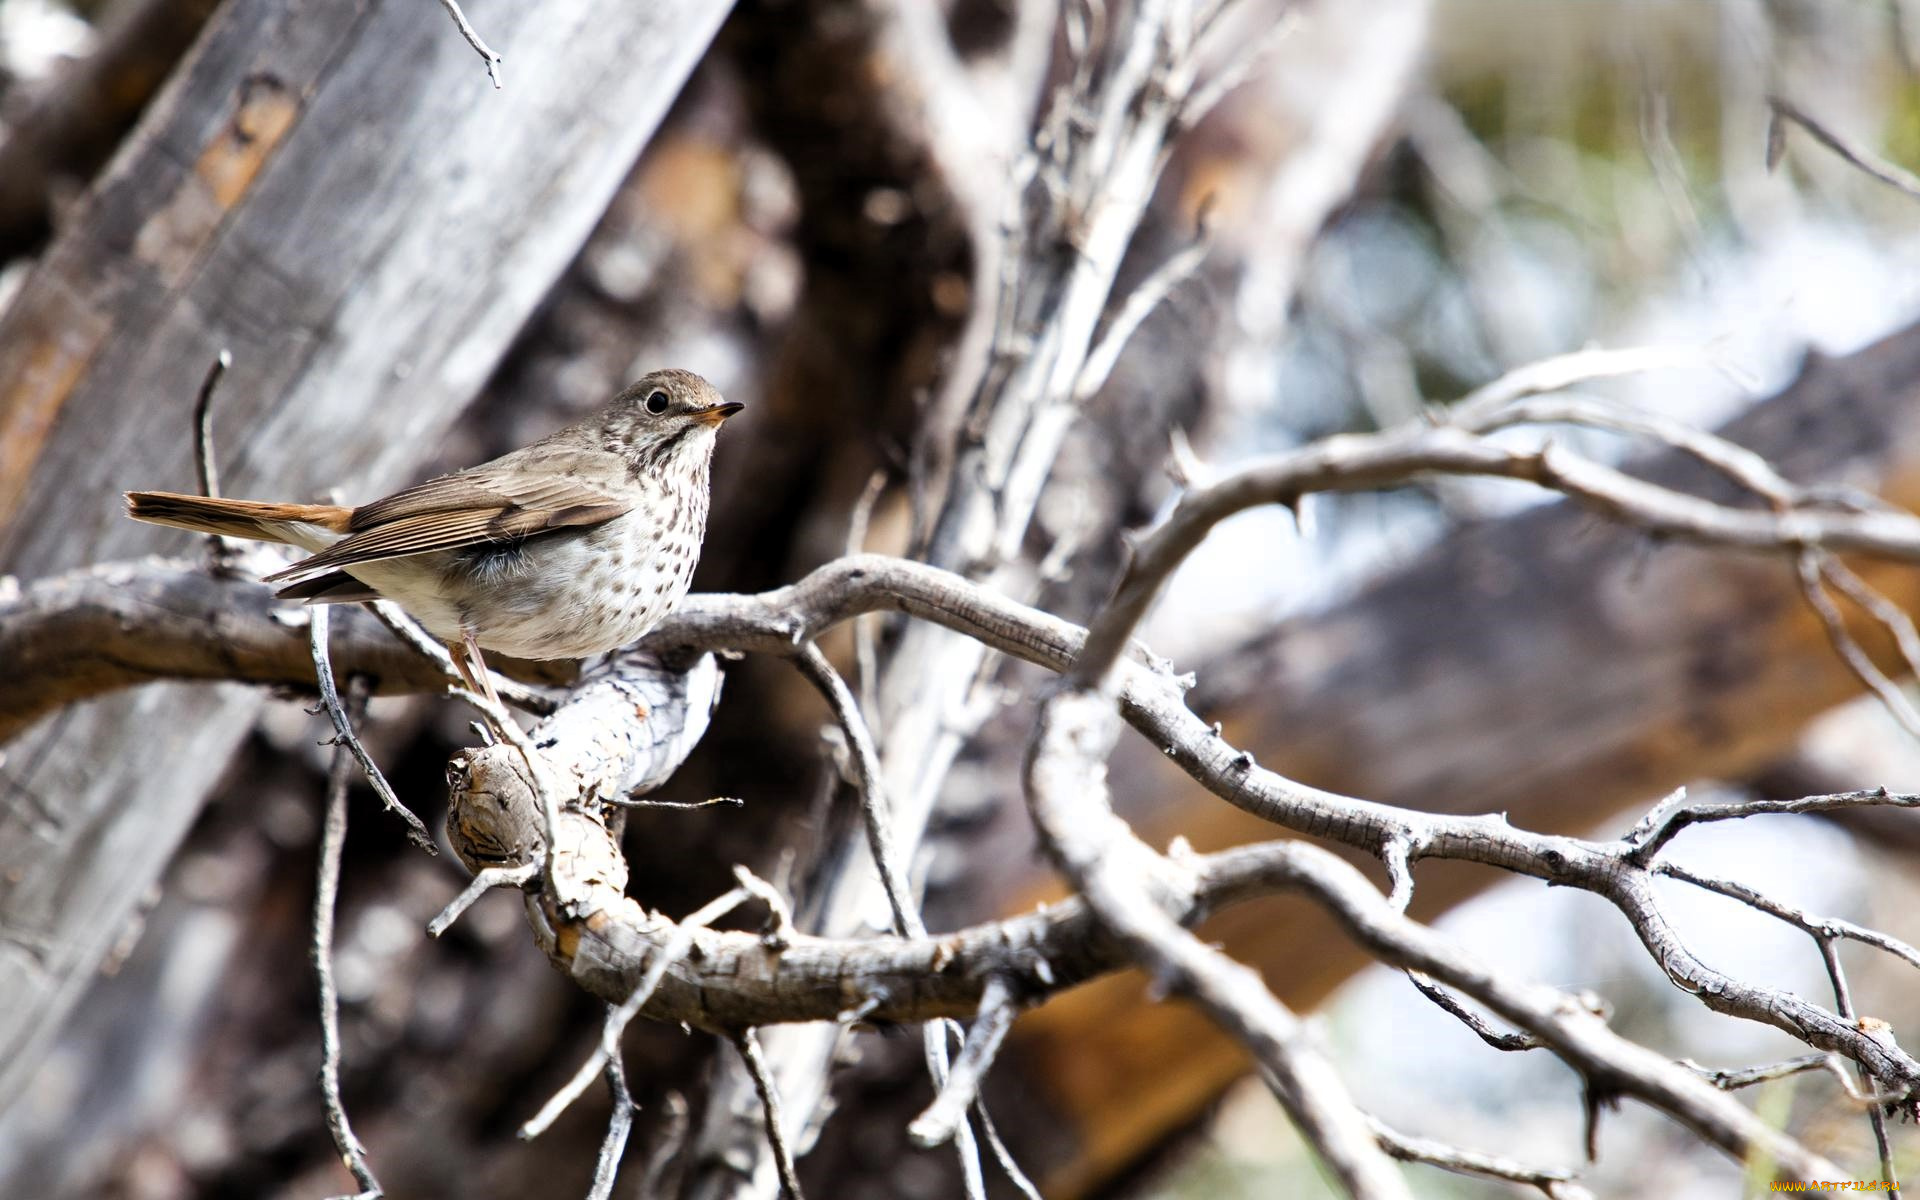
(1564, 371)
(677, 805)
(866, 655)
(1813, 586)
(1729, 1079)
(482, 883)
(343, 730)
(877, 812)
(206, 465)
(1472, 1020)
(1666, 822)
(943, 1117)
(485, 51)
(621, 1015)
(1843, 1004)
(748, 1044)
(606, 1165)
(873, 798)
(1247, 60)
(1861, 1091)
(205, 468)
(1746, 468)
(1819, 928)
(1001, 1154)
(1890, 615)
(333, 838)
(1552, 1181)
(1878, 168)
(1139, 305)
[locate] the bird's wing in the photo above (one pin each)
(471, 508)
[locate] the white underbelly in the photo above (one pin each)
(573, 597)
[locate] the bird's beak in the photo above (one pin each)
(717, 414)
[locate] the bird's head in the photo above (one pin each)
(665, 415)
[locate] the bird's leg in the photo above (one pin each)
(458, 653)
(474, 667)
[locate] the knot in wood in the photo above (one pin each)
(493, 816)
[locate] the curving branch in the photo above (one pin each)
(1122, 881)
(111, 626)
(1151, 700)
(1371, 461)
(71, 637)
(631, 721)
(725, 981)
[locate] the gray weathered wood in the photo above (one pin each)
(338, 194)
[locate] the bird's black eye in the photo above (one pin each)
(656, 403)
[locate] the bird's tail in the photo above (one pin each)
(256, 519)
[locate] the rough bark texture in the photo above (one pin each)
(340, 197)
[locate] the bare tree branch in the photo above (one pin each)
(749, 1046)
(943, 1118)
(1120, 879)
(485, 51)
(1813, 586)
(1131, 888)
(326, 894)
(1785, 110)
(1821, 929)
(1554, 1183)
(609, 945)
(343, 730)
(606, 1165)
(1364, 461)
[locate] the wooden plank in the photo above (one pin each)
(338, 195)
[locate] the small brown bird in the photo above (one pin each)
(576, 545)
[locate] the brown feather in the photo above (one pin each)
(517, 480)
(233, 518)
(335, 587)
(448, 493)
(457, 511)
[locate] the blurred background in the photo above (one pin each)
(1404, 202)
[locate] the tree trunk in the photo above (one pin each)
(339, 196)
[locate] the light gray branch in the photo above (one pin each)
(724, 981)
(326, 894)
(1555, 1183)
(1371, 461)
(781, 620)
(610, 755)
(317, 623)
(1873, 165)
(1127, 885)
(467, 31)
